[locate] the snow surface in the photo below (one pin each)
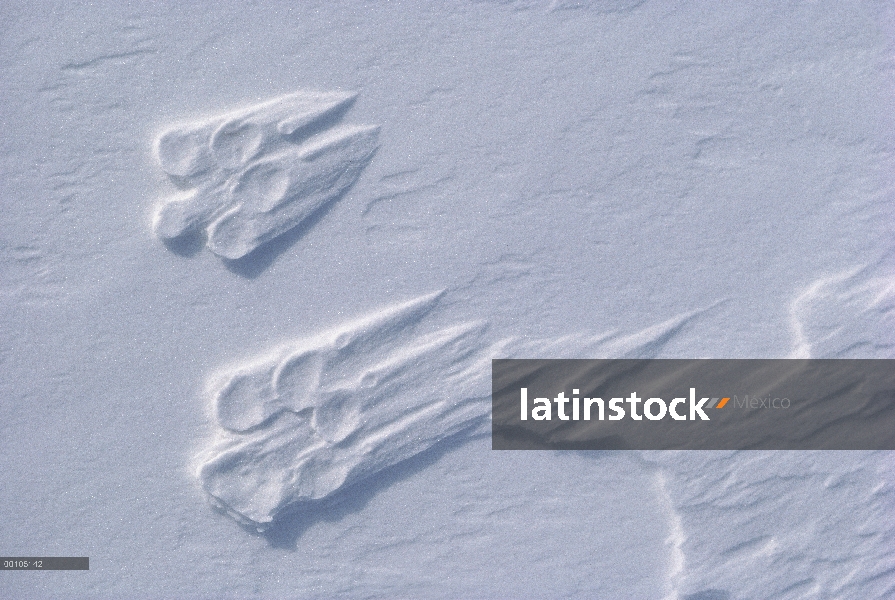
(393, 194)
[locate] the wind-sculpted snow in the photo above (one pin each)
(320, 414)
(259, 172)
(598, 6)
(739, 516)
(850, 315)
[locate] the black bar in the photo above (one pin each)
(44, 563)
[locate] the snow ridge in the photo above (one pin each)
(847, 315)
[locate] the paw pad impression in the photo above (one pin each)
(256, 173)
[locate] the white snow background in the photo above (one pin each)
(604, 177)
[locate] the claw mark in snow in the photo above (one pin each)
(314, 416)
(255, 174)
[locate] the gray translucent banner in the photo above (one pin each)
(666, 404)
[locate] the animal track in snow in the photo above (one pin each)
(314, 416)
(256, 173)
(317, 415)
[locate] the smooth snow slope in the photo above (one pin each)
(541, 178)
